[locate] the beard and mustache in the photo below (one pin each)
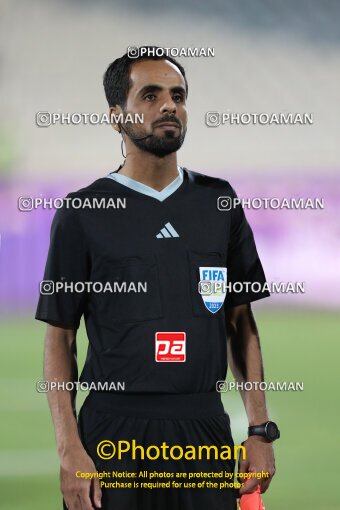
(159, 145)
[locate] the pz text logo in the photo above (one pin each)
(170, 346)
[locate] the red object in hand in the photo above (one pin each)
(252, 501)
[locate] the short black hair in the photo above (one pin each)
(117, 80)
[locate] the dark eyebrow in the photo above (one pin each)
(149, 89)
(179, 89)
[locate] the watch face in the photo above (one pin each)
(272, 431)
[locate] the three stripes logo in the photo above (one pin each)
(167, 231)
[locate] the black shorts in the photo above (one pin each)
(181, 420)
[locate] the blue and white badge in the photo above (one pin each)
(212, 287)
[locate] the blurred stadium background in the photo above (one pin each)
(269, 57)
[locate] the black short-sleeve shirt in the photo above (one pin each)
(133, 269)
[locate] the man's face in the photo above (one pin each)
(157, 92)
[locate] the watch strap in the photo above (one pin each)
(257, 430)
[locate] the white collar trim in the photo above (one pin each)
(147, 190)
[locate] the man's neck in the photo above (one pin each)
(151, 170)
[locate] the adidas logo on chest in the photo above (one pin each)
(167, 232)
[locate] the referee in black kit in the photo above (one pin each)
(158, 344)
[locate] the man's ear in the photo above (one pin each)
(115, 113)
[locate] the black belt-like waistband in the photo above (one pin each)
(193, 405)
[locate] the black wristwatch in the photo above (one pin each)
(269, 430)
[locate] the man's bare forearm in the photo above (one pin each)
(60, 365)
(245, 360)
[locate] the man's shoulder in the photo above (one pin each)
(208, 181)
(102, 185)
(82, 200)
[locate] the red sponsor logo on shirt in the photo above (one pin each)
(170, 346)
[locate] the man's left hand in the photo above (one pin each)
(259, 457)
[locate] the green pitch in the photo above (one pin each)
(297, 346)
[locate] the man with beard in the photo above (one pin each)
(166, 346)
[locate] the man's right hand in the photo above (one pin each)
(79, 493)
